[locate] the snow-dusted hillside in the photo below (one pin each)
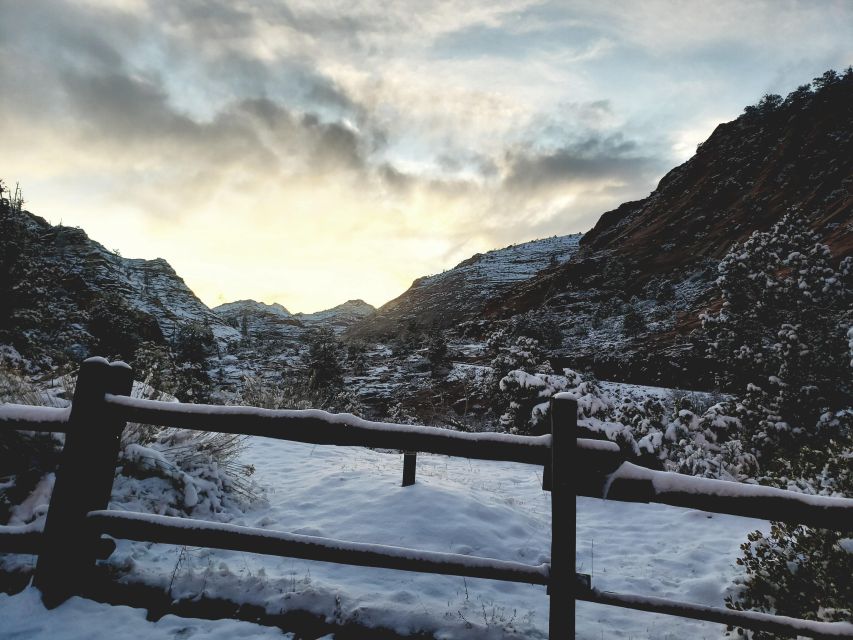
(154, 287)
(462, 292)
(65, 294)
(259, 321)
(338, 318)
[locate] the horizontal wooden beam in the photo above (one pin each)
(23, 539)
(632, 483)
(746, 619)
(320, 427)
(23, 417)
(197, 533)
(26, 539)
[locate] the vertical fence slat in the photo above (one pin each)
(410, 464)
(84, 481)
(561, 617)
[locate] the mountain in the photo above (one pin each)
(66, 296)
(338, 318)
(658, 255)
(259, 321)
(463, 292)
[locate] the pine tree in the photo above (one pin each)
(324, 360)
(781, 331)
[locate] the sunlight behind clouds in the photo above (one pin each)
(311, 152)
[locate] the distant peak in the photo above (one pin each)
(252, 305)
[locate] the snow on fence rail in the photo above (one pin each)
(27, 418)
(77, 516)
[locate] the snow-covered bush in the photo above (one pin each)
(160, 469)
(796, 571)
(527, 397)
(182, 472)
(782, 329)
(519, 353)
(25, 456)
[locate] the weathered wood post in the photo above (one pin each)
(564, 422)
(410, 463)
(84, 481)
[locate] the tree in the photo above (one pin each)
(633, 324)
(438, 354)
(780, 333)
(795, 571)
(193, 344)
(324, 360)
(357, 357)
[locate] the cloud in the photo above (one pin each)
(591, 160)
(274, 148)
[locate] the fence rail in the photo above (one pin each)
(320, 427)
(77, 517)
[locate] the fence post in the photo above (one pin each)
(564, 422)
(84, 481)
(410, 463)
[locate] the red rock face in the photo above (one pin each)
(742, 179)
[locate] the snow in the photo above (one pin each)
(488, 509)
(11, 414)
(24, 616)
(664, 482)
(309, 544)
(527, 446)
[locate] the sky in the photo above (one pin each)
(312, 152)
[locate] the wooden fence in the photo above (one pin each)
(71, 542)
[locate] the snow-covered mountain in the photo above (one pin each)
(259, 321)
(656, 258)
(338, 318)
(462, 293)
(66, 296)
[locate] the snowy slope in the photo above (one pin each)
(239, 307)
(61, 280)
(470, 507)
(461, 293)
(340, 317)
(259, 321)
(24, 616)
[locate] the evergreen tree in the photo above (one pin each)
(438, 354)
(633, 324)
(781, 331)
(324, 360)
(357, 357)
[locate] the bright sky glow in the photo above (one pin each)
(311, 152)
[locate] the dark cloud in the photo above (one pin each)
(594, 159)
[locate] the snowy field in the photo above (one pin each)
(480, 508)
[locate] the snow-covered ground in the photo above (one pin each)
(471, 507)
(23, 616)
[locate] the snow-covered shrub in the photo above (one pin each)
(796, 571)
(782, 328)
(182, 472)
(527, 397)
(163, 469)
(25, 456)
(520, 353)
